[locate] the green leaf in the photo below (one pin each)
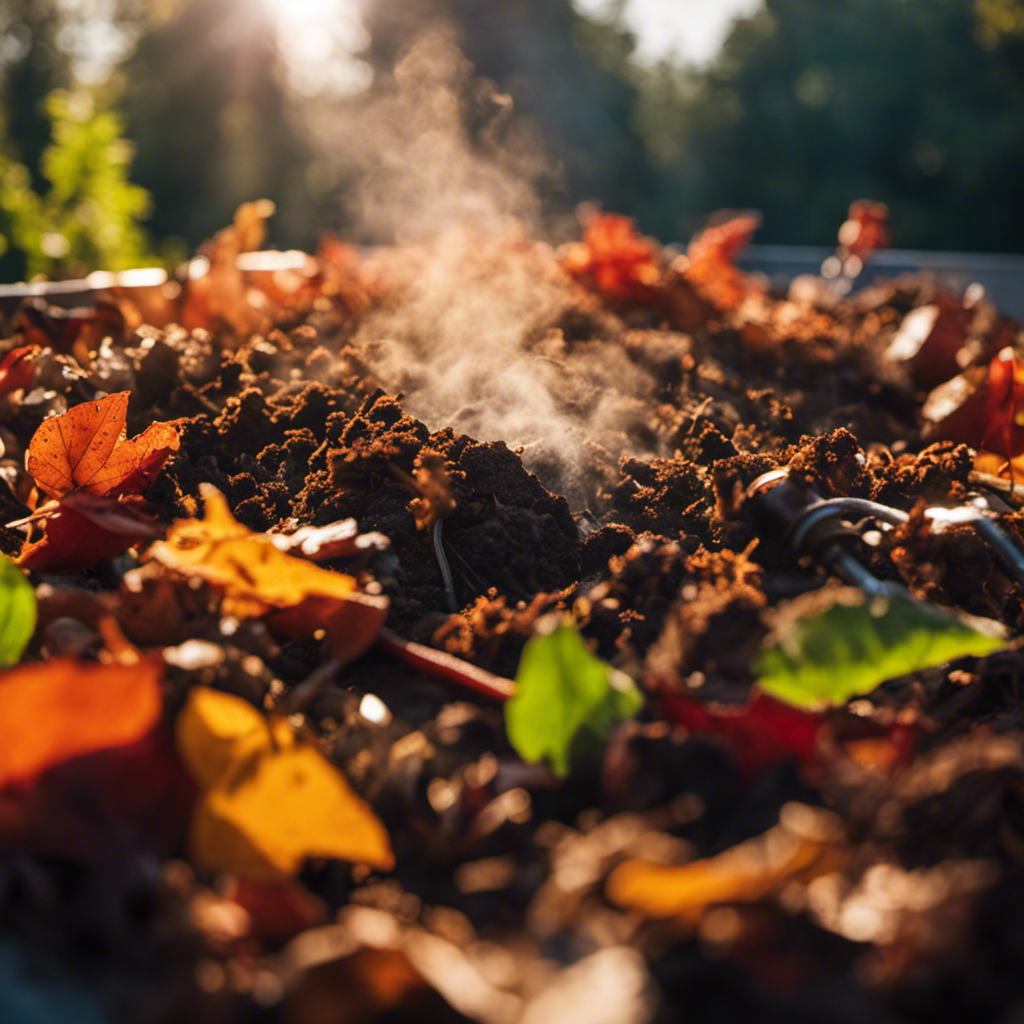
(857, 643)
(562, 692)
(17, 612)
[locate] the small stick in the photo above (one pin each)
(442, 665)
(299, 698)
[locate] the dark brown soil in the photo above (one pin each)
(671, 577)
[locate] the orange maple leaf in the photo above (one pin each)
(86, 449)
(95, 475)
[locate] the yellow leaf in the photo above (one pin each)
(804, 845)
(271, 800)
(252, 572)
(257, 578)
(216, 731)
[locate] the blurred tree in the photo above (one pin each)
(31, 67)
(89, 215)
(570, 74)
(208, 109)
(813, 103)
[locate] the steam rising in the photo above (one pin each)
(440, 148)
(476, 339)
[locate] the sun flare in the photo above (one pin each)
(319, 40)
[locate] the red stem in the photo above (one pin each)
(446, 666)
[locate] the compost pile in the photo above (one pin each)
(285, 533)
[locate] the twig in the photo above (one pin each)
(446, 666)
(997, 483)
(299, 698)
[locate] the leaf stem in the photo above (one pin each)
(442, 665)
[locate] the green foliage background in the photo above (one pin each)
(809, 105)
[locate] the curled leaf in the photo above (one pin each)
(257, 578)
(81, 529)
(804, 845)
(271, 800)
(17, 368)
(86, 449)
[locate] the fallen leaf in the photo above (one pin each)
(17, 612)
(78, 808)
(18, 367)
(929, 340)
(278, 908)
(259, 579)
(271, 800)
(825, 659)
(710, 262)
(61, 709)
(81, 529)
(562, 690)
(806, 844)
(764, 732)
(761, 733)
(615, 260)
(85, 449)
(865, 229)
(216, 295)
(980, 407)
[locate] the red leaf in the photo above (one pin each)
(765, 731)
(982, 414)
(81, 529)
(865, 229)
(75, 808)
(711, 268)
(278, 908)
(616, 261)
(17, 368)
(761, 733)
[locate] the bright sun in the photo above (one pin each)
(318, 39)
